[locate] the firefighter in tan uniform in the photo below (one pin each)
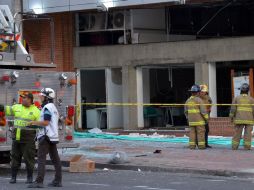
(242, 116)
(197, 117)
(207, 100)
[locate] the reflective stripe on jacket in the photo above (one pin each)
(195, 112)
(242, 114)
(22, 116)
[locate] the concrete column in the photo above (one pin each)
(114, 95)
(213, 87)
(78, 99)
(205, 73)
(201, 73)
(140, 97)
(130, 119)
(198, 72)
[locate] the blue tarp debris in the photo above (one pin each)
(184, 140)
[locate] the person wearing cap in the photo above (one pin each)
(207, 100)
(23, 139)
(48, 138)
(197, 116)
(242, 115)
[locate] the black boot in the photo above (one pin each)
(55, 184)
(13, 175)
(29, 176)
(35, 185)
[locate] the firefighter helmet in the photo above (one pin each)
(195, 88)
(203, 88)
(244, 88)
(48, 92)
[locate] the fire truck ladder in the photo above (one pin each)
(12, 51)
(8, 31)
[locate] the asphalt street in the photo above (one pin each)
(134, 180)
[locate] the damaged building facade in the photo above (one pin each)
(148, 51)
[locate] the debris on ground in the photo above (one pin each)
(213, 140)
(141, 155)
(118, 158)
(154, 135)
(157, 152)
(95, 131)
(101, 148)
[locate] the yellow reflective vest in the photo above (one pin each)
(22, 116)
(195, 112)
(242, 113)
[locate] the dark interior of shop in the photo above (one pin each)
(224, 82)
(166, 89)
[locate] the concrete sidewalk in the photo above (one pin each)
(220, 160)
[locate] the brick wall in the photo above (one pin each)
(37, 35)
(221, 126)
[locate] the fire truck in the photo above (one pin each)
(17, 75)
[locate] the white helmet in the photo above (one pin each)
(48, 92)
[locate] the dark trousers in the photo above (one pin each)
(26, 150)
(206, 134)
(45, 147)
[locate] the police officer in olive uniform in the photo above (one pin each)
(23, 144)
(207, 100)
(197, 117)
(242, 114)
